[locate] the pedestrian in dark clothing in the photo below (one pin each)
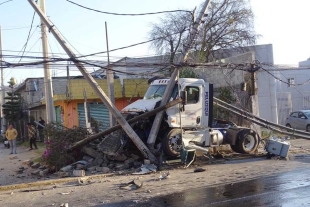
(40, 129)
(32, 136)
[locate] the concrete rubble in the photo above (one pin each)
(104, 156)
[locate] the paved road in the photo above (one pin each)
(285, 190)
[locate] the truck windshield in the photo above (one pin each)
(157, 91)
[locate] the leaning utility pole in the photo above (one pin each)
(168, 91)
(120, 119)
(2, 85)
(50, 110)
(254, 98)
(110, 78)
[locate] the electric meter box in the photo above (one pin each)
(278, 147)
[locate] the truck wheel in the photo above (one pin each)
(235, 148)
(248, 142)
(172, 143)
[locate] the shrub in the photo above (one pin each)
(59, 141)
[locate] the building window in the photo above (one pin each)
(291, 82)
(306, 102)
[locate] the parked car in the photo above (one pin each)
(299, 120)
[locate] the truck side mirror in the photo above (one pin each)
(183, 95)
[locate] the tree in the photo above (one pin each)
(12, 109)
(224, 95)
(170, 33)
(229, 24)
(187, 73)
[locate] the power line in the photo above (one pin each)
(6, 2)
(120, 14)
(34, 13)
(128, 46)
(293, 84)
(17, 28)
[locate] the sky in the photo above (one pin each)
(279, 22)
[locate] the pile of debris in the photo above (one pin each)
(33, 169)
(97, 162)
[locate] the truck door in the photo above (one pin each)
(191, 116)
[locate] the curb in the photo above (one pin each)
(52, 182)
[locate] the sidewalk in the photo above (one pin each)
(9, 164)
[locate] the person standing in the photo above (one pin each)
(32, 136)
(11, 135)
(40, 129)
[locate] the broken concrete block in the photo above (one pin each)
(27, 162)
(111, 143)
(79, 166)
(35, 172)
(130, 162)
(99, 169)
(88, 158)
(43, 173)
(91, 152)
(121, 166)
(91, 169)
(35, 165)
(42, 167)
(78, 173)
(66, 168)
(105, 169)
(135, 157)
(111, 165)
(137, 164)
(99, 161)
(104, 164)
(147, 162)
(120, 158)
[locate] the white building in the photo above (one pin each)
(295, 82)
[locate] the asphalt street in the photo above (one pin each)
(283, 190)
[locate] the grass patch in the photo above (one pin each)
(39, 152)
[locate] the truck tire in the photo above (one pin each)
(172, 143)
(235, 148)
(247, 142)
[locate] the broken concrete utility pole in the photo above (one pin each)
(189, 42)
(120, 119)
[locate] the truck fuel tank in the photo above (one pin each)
(204, 137)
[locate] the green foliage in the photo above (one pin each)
(224, 95)
(188, 73)
(56, 155)
(12, 108)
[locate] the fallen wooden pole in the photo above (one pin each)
(117, 127)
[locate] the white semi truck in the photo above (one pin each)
(188, 124)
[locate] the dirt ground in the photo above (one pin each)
(104, 190)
